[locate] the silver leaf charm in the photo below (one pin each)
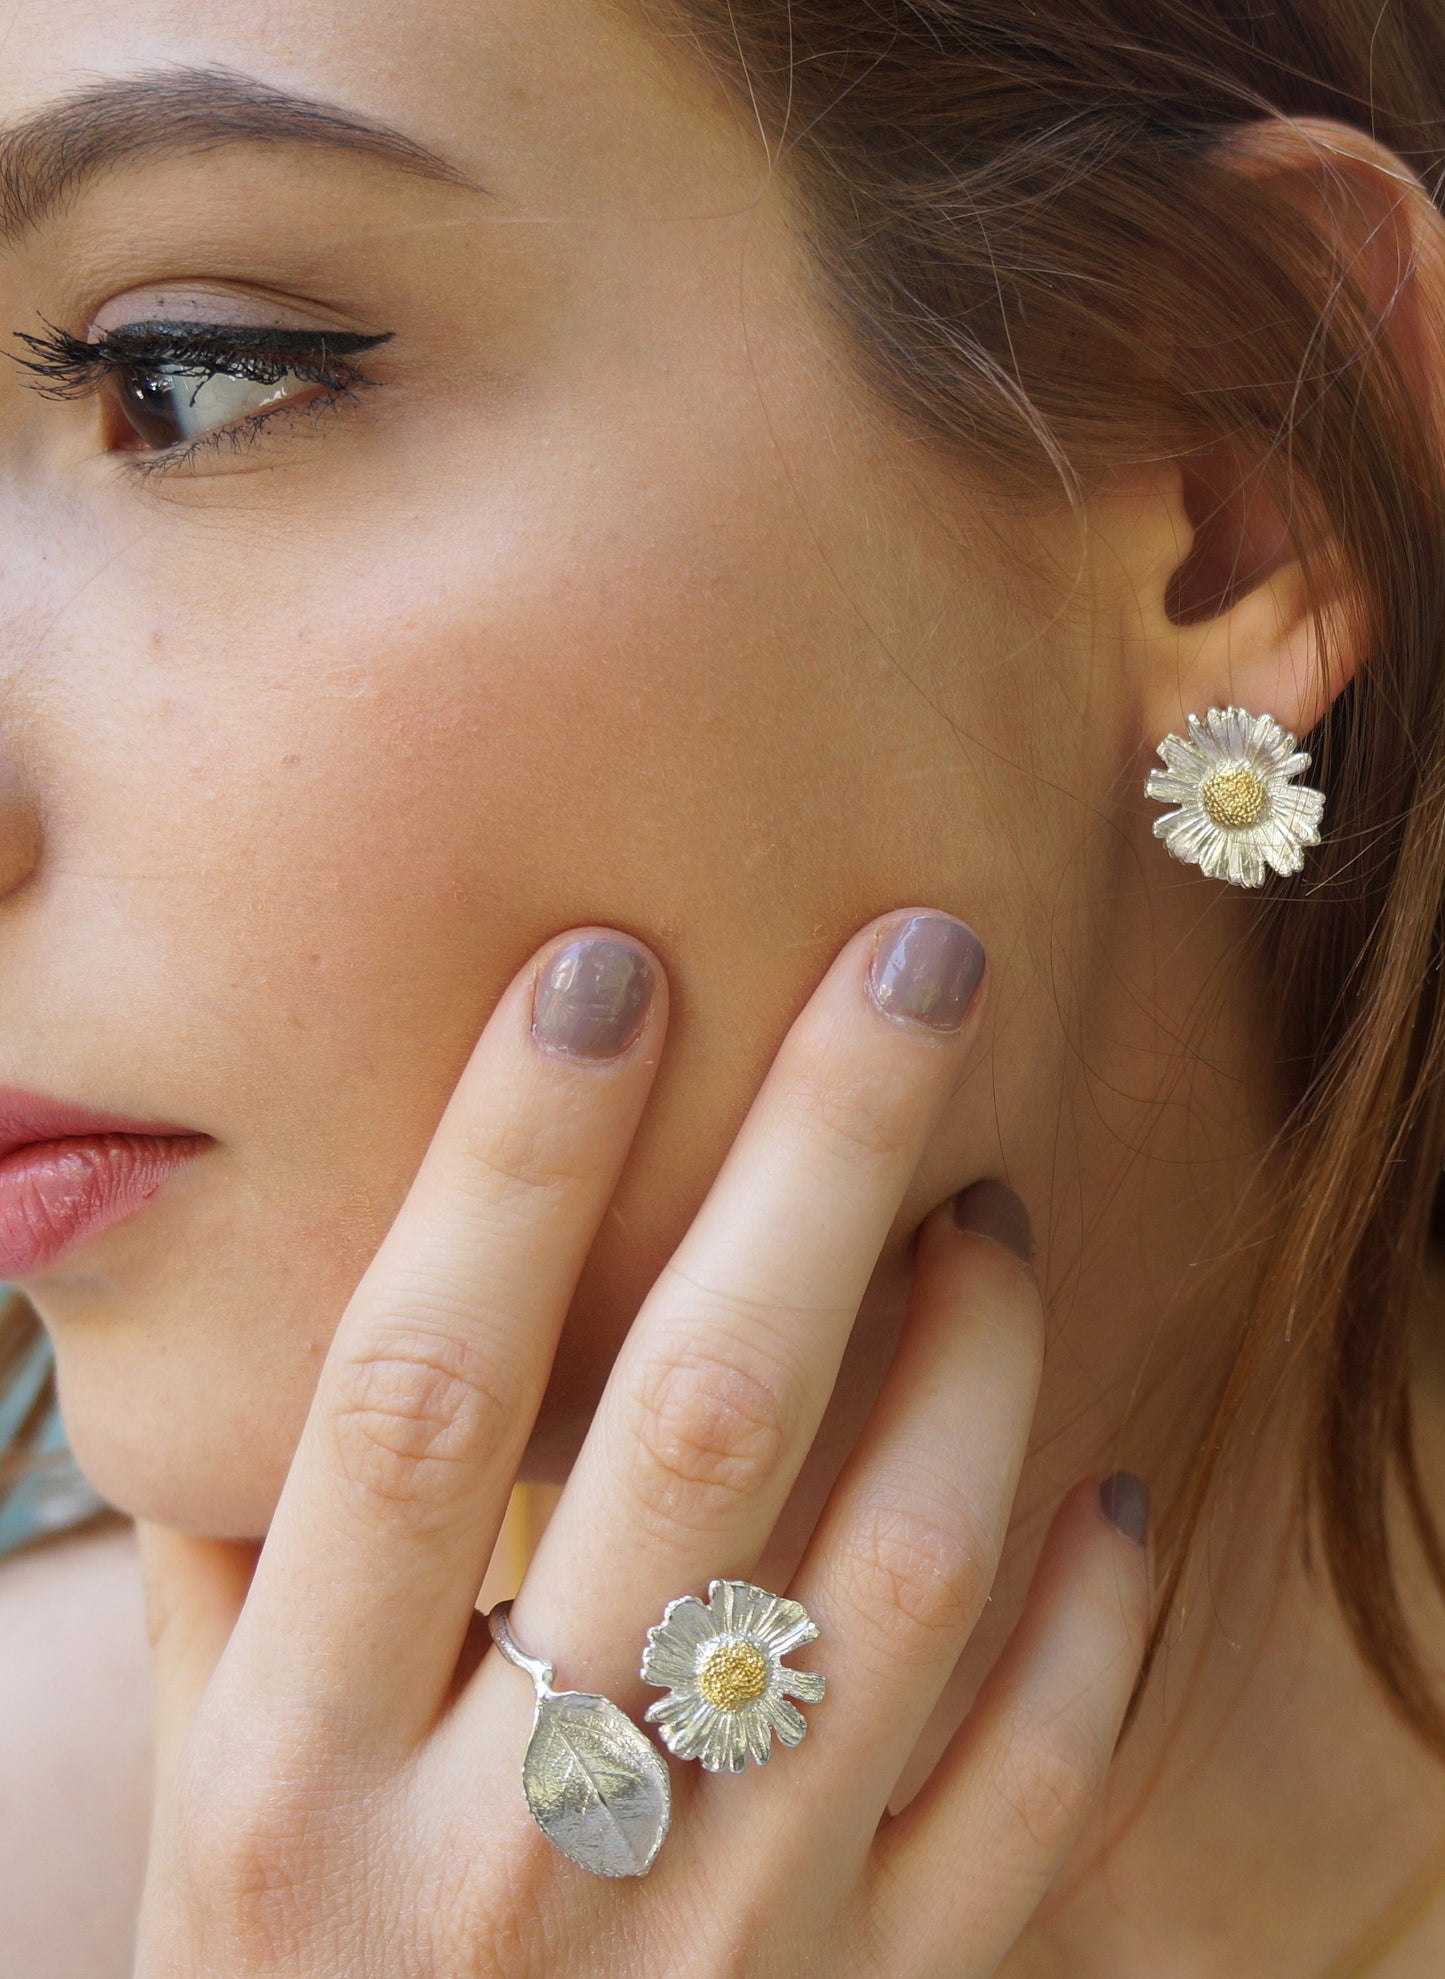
(597, 1787)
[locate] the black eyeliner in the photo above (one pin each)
(67, 366)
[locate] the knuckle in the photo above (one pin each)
(524, 1158)
(409, 1415)
(266, 1845)
(251, 1836)
(706, 1430)
(1046, 1772)
(916, 1574)
(850, 1116)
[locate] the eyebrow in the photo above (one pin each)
(50, 157)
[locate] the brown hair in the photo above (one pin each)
(1025, 219)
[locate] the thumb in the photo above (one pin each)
(194, 1589)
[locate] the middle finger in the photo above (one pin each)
(722, 1382)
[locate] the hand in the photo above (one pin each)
(339, 1785)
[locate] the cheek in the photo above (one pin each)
(338, 809)
(386, 776)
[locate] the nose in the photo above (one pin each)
(20, 833)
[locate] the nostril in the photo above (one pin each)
(21, 836)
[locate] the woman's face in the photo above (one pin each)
(604, 599)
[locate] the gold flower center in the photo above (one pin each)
(732, 1674)
(1233, 797)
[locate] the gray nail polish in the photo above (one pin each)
(926, 969)
(1125, 1502)
(995, 1211)
(591, 998)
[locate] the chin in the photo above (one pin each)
(154, 1465)
(211, 1470)
(185, 1388)
(168, 1482)
(195, 1442)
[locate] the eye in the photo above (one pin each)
(176, 387)
(167, 405)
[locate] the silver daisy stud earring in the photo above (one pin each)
(1239, 807)
(720, 1662)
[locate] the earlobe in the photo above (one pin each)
(1267, 650)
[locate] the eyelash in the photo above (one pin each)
(70, 367)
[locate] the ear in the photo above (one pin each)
(1234, 612)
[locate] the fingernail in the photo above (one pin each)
(926, 969)
(1125, 1502)
(591, 999)
(995, 1211)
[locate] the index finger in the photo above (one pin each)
(368, 1578)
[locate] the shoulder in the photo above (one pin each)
(74, 1756)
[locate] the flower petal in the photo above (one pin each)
(788, 1721)
(751, 1605)
(1280, 848)
(1299, 809)
(1170, 787)
(808, 1685)
(722, 1600)
(686, 1619)
(805, 1631)
(725, 1744)
(791, 1631)
(1206, 741)
(1245, 861)
(758, 1727)
(672, 1709)
(1259, 739)
(764, 1616)
(1183, 758)
(670, 1661)
(1269, 745)
(685, 1736)
(776, 1622)
(1187, 834)
(1212, 856)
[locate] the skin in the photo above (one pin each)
(618, 602)
(74, 1815)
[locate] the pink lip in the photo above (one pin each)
(68, 1172)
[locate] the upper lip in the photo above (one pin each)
(29, 1117)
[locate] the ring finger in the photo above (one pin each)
(903, 1559)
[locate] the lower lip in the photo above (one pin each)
(54, 1193)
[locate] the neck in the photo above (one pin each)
(1268, 1802)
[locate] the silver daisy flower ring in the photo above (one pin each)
(721, 1664)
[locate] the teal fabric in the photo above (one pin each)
(52, 1495)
